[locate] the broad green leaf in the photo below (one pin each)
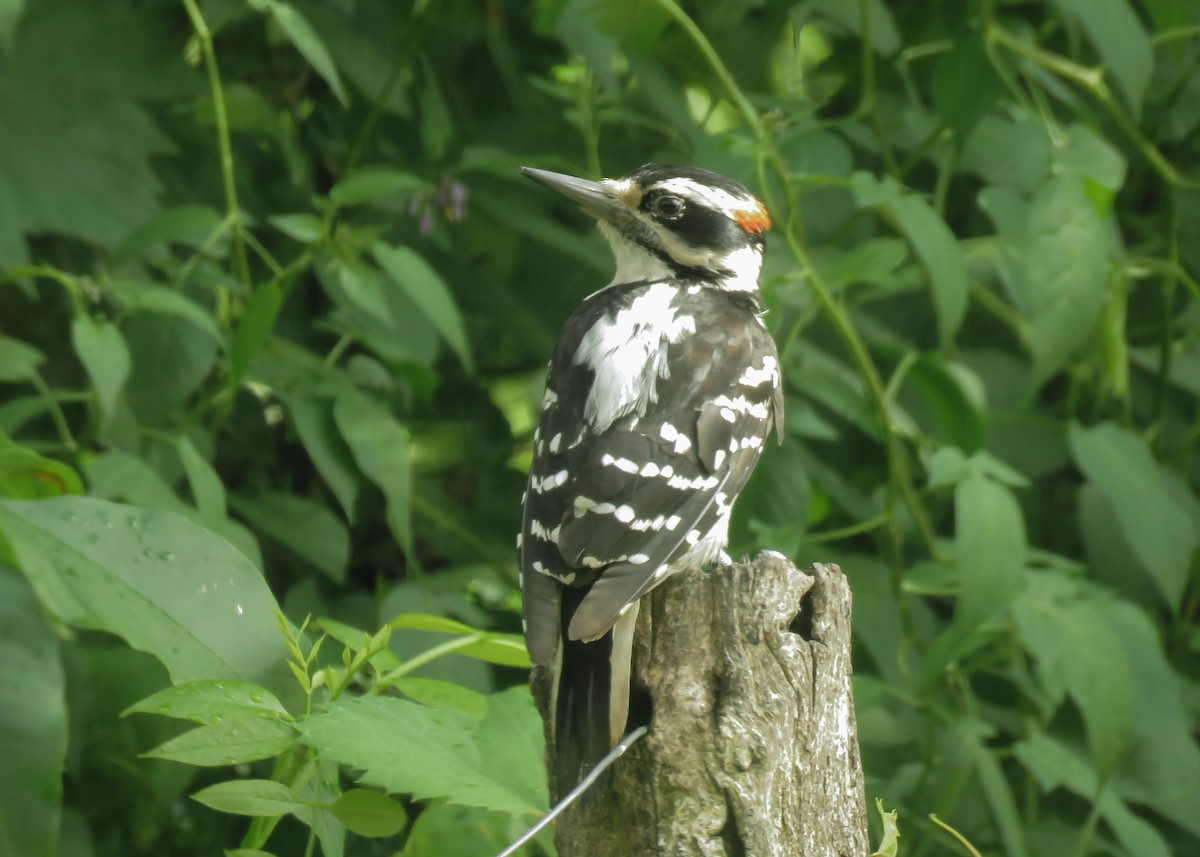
(208, 490)
(1077, 650)
(1162, 767)
(260, 798)
(25, 475)
(427, 622)
(190, 225)
(160, 299)
(228, 742)
(447, 830)
(494, 763)
(104, 355)
(367, 289)
(10, 15)
(885, 38)
(932, 240)
(255, 326)
(117, 475)
(167, 586)
(1055, 766)
(302, 525)
(369, 813)
(305, 228)
(950, 403)
(33, 723)
(1153, 524)
(18, 361)
(435, 693)
(312, 417)
(1065, 273)
(989, 549)
(380, 447)
(306, 40)
(78, 146)
(1120, 39)
(211, 701)
(965, 86)
(496, 648)
(371, 183)
(425, 286)
(996, 789)
(320, 790)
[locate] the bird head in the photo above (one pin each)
(671, 221)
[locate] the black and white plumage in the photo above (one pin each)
(663, 388)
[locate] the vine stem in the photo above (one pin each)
(241, 262)
(900, 482)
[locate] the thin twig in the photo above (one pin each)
(577, 792)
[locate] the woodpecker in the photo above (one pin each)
(662, 390)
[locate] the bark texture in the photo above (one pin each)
(753, 750)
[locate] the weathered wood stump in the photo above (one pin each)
(753, 750)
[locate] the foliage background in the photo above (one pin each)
(274, 307)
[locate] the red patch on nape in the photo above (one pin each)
(753, 220)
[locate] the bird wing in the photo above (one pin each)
(653, 487)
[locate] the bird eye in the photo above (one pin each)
(667, 207)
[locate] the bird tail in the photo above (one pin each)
(591, 696)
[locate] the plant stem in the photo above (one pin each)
(241, 263)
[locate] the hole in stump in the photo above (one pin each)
(802, 622)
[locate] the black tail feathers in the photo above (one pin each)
(582, 729)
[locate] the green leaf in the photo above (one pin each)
(228, 742)
(435, 693)
(160, 299)
(207, 489)
(1120, 39)
(1153, 524)
(885, 38)
(965, 86)
(306, 40)
(77, 143)
(369, 813)
(18, 361)
(425, 286)
(25, 475)
(494, 763)
(312, 416)
(209, 702)
(932, 240)
(366, 289)
(190, 225)
(10, 16)
(302, 525)
(380, 447)
(1054, 766)
(105, 356)
(447, 830)
(1079, 652)
(496, 648)
(167, 586)
(989, 549)
(255, 326)
(33, 723)
(259, 798)
(370, 183)
(1065, 273)
(305, 228)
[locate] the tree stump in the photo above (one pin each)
(753, 747)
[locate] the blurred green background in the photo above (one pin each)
(270, 279)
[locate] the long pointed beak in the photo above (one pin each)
(593, 197)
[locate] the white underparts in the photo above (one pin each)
(627, 354)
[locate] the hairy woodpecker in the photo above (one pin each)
(663, 387)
